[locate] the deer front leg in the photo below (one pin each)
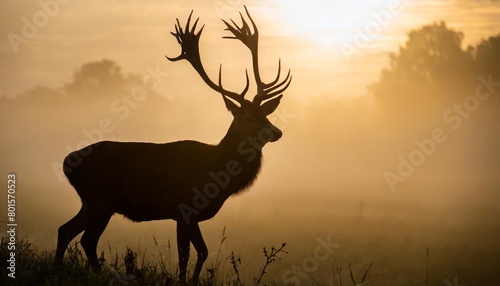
(186, 234)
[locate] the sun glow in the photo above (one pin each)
(335, 22)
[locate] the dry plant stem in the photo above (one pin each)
(270, 258)
(337, 273)
(352, 275)
(217, 262)
(366, 272)
(234, 262)
(364, 275)
(161, 262)
(427, 268)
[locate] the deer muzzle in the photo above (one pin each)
(276, 133)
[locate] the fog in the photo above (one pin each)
(411, 165)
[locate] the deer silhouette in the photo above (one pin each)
(186, 181)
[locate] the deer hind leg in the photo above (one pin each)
(98, 221)
(68, 231)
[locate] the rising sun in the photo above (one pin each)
(335, 22)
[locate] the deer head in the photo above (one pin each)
(250, 117)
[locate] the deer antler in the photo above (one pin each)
(251, 40)
(189, 42)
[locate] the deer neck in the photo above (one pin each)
(243, 154)
(239, 147)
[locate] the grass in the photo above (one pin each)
(35, 267)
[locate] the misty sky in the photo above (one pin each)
(325, 177)
(308, 36)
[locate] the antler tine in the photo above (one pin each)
(255, 30)
(273, 90)
(266, 85)
(178, 27)
(243, 33)
(247, 84)
(274, 87)
(188, 21)
(238, 97)
(244, 25)
(233, 29)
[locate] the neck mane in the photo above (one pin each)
(245, 159)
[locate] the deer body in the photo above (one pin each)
(146, 181)
(186, 181)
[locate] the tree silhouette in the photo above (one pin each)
(96, 78)
(426, 72)
(487, 56)
(432, 82)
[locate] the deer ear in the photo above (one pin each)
(270, 106)
(230, 105)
